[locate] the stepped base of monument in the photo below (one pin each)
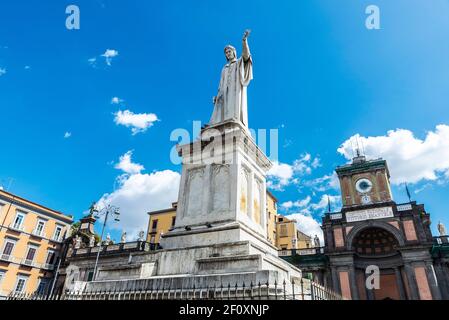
(239, 263)
(248, 285)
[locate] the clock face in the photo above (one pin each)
(364, 185)
(366, 199)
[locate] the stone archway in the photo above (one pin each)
(377, 244)
(373, 224)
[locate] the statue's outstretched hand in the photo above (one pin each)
(246, 34)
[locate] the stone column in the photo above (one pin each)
(353, 283)
(400, 284)
(413, 287)
(433, 284)
(335, 280)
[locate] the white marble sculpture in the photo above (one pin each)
(316, 241)
(441, 229)
(92, 241)
(77, 242)
(123, 238)
(141, 235)
(231, 101)
(108, 239)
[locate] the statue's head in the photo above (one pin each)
(230, 53)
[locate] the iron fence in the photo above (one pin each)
(299, 290)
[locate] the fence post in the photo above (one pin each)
(285, 292)
(268, 290)
(276, 289)
(312, 291)
(235, 292)
(302, 288)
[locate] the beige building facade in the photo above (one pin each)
(31, 236)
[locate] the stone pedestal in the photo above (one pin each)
(223, 182)
(222, 208)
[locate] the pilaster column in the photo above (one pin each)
(433, 284)
(335, 280)
(410, 273)
(400, 284)
(353, 284)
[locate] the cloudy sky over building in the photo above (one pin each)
(87, 114)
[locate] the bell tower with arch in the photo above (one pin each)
(373, 232)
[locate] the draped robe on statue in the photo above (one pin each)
(231, 101)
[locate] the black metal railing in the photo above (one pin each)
(301, 252)
(441, 240)
(303, 289)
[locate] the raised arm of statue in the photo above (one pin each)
(245, 48)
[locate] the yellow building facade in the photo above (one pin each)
(160, 222)
(281, 231)
(289, 237)
(31, 236)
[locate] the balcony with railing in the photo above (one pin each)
(38, 233)
(16, 226)
(56, 238)
(49, 266)
(31, 263)
(8, 258)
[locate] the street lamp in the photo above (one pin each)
(109, 209)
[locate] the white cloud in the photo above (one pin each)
(126, 165)
(306, 205)
(283, 174)
(304, 218)
(308, 225)
(109, 55)
(92, 62)
(138, 193)
(324, 183)
(410, 159)
(139, 122)
(2, 71)
(280, 174)
(67, 135)
(27, 67)
(297, 204)
(335, 202)
(116, 100)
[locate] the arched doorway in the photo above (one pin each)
(375, 246)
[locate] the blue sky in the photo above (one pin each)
(320, 77)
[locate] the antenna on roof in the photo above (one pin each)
(363, 147)
(358, 147)
(352, 147)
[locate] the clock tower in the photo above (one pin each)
(364, 182)
(373, 232)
